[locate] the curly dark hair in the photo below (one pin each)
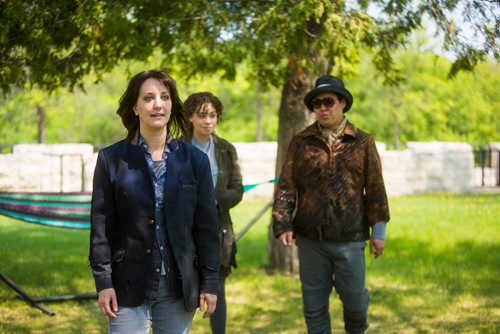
(196, 101)
(177, 124)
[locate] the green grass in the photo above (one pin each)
(440, 273)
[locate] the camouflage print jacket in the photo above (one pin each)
(333, 193)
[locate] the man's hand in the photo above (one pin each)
(377, 247)
(211, 301)
(108, 303)
(286, 238)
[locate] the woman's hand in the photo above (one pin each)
(211, 301)
(108, 303)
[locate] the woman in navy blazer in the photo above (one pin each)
(154, 237)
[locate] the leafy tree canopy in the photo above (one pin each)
(58, 42)
(426, 107)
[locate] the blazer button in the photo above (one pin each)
(148, 251)
(151, 222)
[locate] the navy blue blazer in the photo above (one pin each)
(122, 219)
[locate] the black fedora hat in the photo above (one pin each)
(329, 83)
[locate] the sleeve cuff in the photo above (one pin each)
(102, 283)
(378, 230)
(210, 281)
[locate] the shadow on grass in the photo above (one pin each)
(262, 303)
(274, 304)
(71, 317)
(416, 287)
(47, 261)
(431, 288)
(252, 252)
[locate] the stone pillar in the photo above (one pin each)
(495, 162)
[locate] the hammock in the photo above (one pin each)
(70, 210)
(67, 210)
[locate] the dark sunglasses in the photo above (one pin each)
(327, 102)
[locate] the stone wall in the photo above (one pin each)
(428, 167)
(422, 167)
(47, 168)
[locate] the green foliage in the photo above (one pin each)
(427, 106)
(90, 116)
(17, 120)
(70, 117)
(438, 274)
(58, 43)
(50, 45)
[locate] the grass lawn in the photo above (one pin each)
(440, 273)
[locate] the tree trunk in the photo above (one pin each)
(293, 117)
(41, 124)
(258, 97)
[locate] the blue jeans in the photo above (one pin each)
(163, 315)
(324, 265)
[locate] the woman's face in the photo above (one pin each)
(153, 106)
(204, 121)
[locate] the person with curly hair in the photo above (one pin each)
(203, 111)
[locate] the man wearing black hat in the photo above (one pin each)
(330, 194)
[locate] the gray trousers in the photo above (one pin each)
(163, 316)
(324, 265)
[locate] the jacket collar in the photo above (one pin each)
(313, 130)
(172, 143)
(189, 136)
